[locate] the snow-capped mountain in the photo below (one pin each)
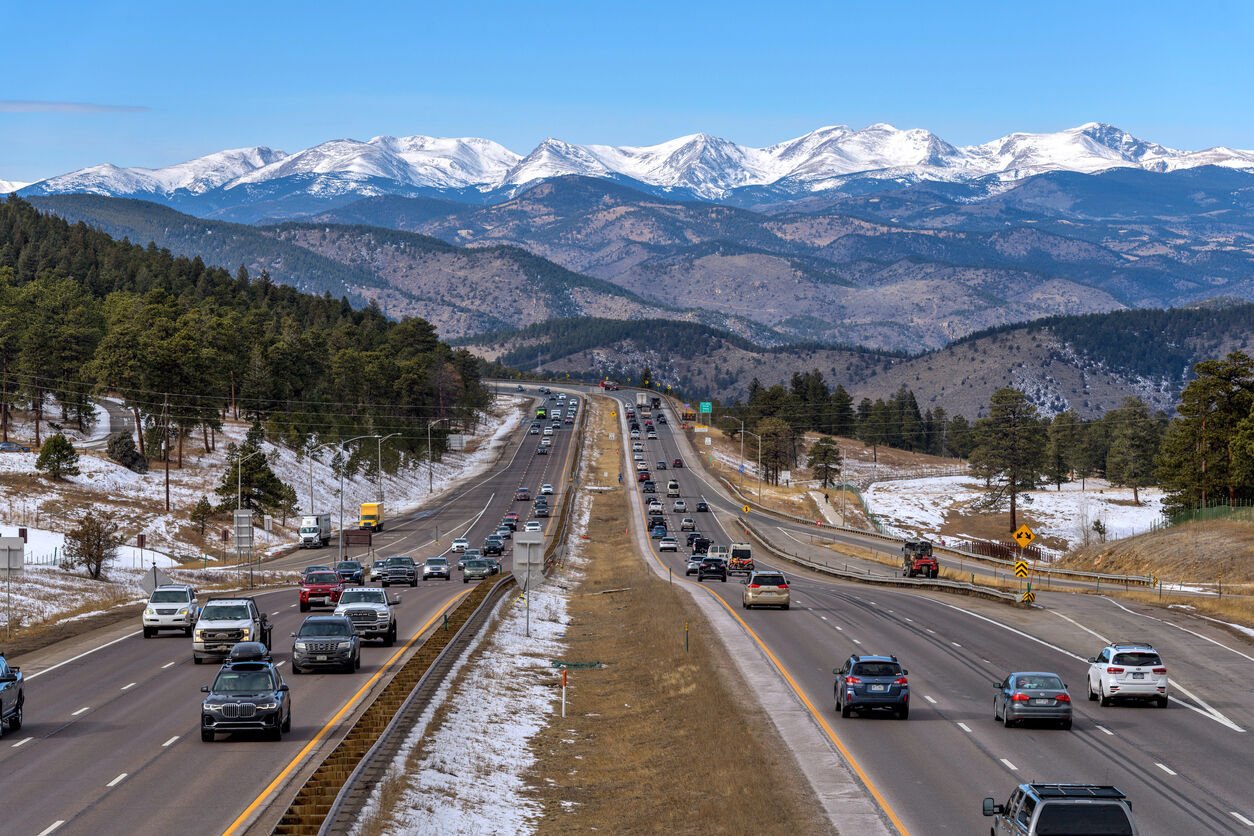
(10, 186)
(701, 165)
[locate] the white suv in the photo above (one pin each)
(171, 607)
(1128, 670)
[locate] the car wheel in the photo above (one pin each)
(1161, 702)
(187, 631)
(1065, 725)
(996, 713)
(304, 607)
(287, 724)
(276, 733)
(297, 671)
(206, 736)
(15, 721)
(786, 606)
(196, 660)
(903, 713)
(390, 639)
(465, 579)
(1006, 721)
(845, 710)
(414, 582)
(1092, 696)
(357, 661)
(1103, 700)
(723, 579)
(147, 633)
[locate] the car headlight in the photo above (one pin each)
(344, 645)
(208, 706)
(247, 633)
(267, 706)
(183, 611)
(200, 635)
(301, 646)
(149, 611)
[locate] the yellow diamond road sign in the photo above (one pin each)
(746, 509)
(1024, 536)
(1021, 569)
(1029, 597)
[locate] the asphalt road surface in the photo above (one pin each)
(1186, 768)
(111, 744)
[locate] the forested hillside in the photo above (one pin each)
(184, 344)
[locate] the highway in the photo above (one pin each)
(111, 743)
(1186, 769)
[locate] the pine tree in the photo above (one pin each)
(58, 458)
(1010, 449)
(825, 460)
(201, 513)
(1134, 440)
(1063, 447)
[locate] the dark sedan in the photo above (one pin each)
(1032, 695)
(712, 567)
(350, 571)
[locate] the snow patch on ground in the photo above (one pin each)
(918, 507)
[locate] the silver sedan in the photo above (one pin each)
(1032, 695)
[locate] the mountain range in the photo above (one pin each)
(250, 184)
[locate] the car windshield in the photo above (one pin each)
(322, 577)
(1061, 819)
(1137, 659)
(876, 669)
(169, 596)
(400, 561)
(1038, 682)
(348, 565)
(476, 564)
(364, 596)
(324, 628)
(243, 681)
(769, 580)
(436, 561)
(225, 612)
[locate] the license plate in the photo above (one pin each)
(1040, 701)
(877, 688)
(1138, 675)
(317, 600)
(320, 658)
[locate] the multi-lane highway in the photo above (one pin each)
(1187, 768)
(110, 741)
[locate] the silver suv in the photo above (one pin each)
(171, 606)
(1062, 808)
(370, 610)
(1128, 670)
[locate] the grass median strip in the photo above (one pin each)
(663, 738)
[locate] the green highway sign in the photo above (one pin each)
(706, 406)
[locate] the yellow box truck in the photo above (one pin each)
(371, 516)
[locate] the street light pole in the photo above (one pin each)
(311, 461)
(342, 463)
(759, 438)
(430, 457)
(381, 440)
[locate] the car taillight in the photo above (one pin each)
(783, 586)
(901, 680)
(1160, 670)
(754, 586)
(1114, 670)
(1019, 698)
(1063, 698)
(852, 680)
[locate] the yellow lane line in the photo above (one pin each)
(326, 729)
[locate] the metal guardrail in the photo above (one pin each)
(1126, 580)
(884, 580)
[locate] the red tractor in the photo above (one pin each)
(917, 559)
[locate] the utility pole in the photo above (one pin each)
(165, 447)
(431, 457)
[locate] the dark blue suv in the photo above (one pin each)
(867, 682)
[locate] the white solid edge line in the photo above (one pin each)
(75, 659)
(80, 711)
(50, 828)
(1165, 768)
(129, 685)
(955, 644)
(23, 742)
(117, 780)
(169, 665)
(1009, 765)
(1241, 818)
(1209, 712)
(1178, 627)
(1093, 633)
(1104, 730)
(170, 742)
(964, 727)
(929, 699)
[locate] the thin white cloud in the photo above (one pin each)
(21, 106)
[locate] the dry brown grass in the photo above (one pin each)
(661, 739)
(1199, 552)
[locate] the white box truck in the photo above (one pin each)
(315, 531)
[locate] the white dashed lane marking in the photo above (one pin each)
(1242, 819)
(169, 742)
(117, 780)
(1165, 768)
(964, 727)
(1104, 730)
(52, 827)
(23, 742)
(80, 711)
(168, 665)
(1009, 765)
(929, 699)
(128, 686)
(955, 644)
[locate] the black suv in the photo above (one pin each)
(493, 545)
(1062, 808)
(351, 571)
(246, 696)
(867, 682)
(712, 567)
(398, 570)
(326, 641)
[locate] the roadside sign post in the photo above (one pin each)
(528, 553)
(1024, 537)
(563, 692)
(13, 550)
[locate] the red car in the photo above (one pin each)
(320, 589)
(643, 476)
(677, 463)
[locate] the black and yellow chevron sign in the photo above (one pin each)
(1021, 568)
(1028, 597)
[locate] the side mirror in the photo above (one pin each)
(395, 602)
(1092, 660)
(283, 687)
(204, 689)
(293, 635)
(836, 671)
(745, 582)
(997, 685)
(992, 808)
(905, 672)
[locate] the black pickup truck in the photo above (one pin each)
(12, 697)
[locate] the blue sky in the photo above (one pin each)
(171, 81)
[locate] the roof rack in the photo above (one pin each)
(1132, 644)
(1077, 791)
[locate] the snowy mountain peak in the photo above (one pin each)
(703, 164)
(8, 187)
